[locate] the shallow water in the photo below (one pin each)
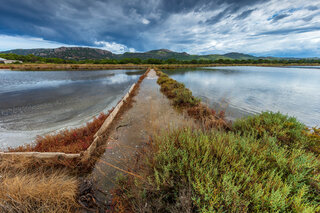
(243, 91)
(36, 103)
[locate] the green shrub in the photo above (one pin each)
(184, 97)
(314, 140)
(162, 80)
(225, 172)
(287, 130)
(169, 86)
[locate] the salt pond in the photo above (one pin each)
(243, 91)
(37, 103)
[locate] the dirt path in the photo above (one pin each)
(151, 112)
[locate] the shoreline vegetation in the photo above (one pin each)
(156, 61)
(36, 63)
(84, 67)
(264, 163)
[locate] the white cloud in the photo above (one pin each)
(22, 42)
(114, 47)
(145, 21)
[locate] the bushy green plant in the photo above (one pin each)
(226, 172)
(287, 130)
(314, 140)
(184, 97)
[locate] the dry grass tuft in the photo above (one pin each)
(28, 185)
(38, 192)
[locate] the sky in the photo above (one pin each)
(285, 28)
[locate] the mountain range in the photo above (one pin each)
(82, 53)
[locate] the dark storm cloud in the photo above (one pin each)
(83, 22)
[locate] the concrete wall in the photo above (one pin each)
(98, 136)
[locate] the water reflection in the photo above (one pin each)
(242, 91)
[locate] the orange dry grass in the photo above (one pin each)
(67, 141)
(38, 193)
(27, 187)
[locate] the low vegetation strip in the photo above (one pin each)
(264, 167)
(182, 98)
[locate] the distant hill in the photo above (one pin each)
(157, 54)
(82, 53)
(73, 53)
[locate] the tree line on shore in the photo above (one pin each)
(36, 59)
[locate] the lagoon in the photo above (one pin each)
(248, 90)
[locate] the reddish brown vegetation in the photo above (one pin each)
(208, 117)
(67, 141)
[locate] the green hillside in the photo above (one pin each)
(83, 53)
(68, 53)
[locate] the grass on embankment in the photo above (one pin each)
(263, 165)
(27, 185)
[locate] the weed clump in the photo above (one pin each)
(286, 130)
